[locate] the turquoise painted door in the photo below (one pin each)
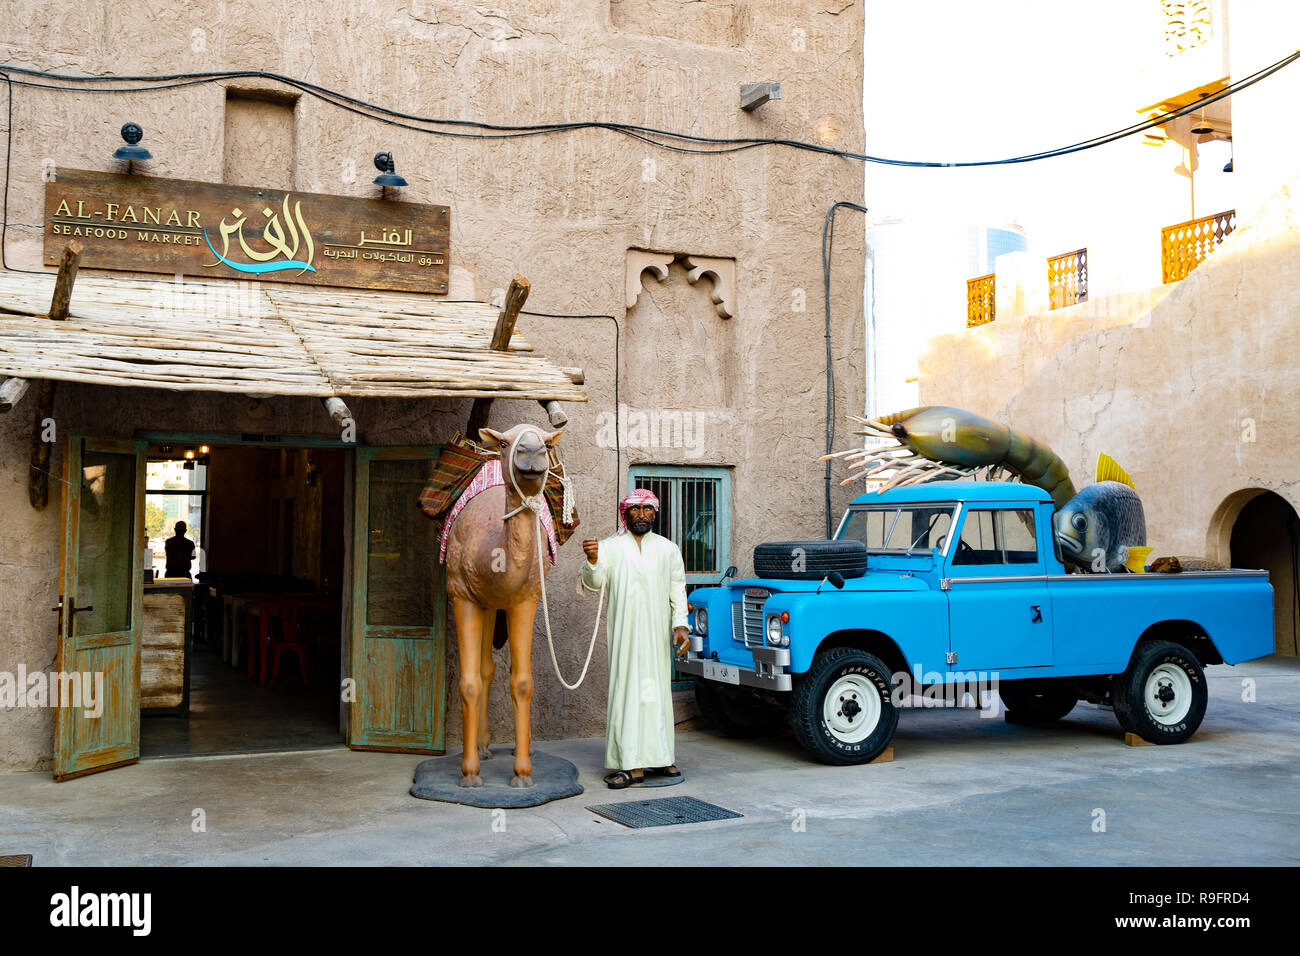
(399, 607)
(97, 674)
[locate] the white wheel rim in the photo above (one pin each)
(1168, 694)
(851, 708)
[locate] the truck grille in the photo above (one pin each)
(747, 617)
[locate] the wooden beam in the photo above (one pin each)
(575, 375)
(554, 413)
(337, 410)
(516, 295)
(12, 391)
(38, 475)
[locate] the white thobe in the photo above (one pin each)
(646, 598)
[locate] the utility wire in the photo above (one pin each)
(648, 134)
(828, 246)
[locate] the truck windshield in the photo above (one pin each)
(909, 529)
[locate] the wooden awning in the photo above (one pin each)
(265, 339)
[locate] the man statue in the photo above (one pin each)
(646, 583)
(180, 552)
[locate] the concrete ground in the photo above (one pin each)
(962, 790)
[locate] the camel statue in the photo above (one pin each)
(493, 564)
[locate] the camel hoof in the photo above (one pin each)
(522, 780)
(471, 780)
(484, 752)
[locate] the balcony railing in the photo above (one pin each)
(979, 300)
(1067, 279)
(1185, 246)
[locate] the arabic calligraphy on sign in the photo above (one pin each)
(284, 240)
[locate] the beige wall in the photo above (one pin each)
(563, 210)
(1195, 396)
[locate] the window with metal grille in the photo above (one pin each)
(694, 513)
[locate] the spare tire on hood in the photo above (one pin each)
(810, 560)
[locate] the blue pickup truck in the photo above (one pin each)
(933, 590)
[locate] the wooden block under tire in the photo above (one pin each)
(1133, 740)
(886, 756)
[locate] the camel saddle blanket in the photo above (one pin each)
(457, 466)
(489, 476)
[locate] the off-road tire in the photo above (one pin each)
(812, 559)
(1157, 669)
(1030, 702)
(834, 676)
(733, 716)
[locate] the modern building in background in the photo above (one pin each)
(916, 289)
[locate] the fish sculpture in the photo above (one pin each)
(1095, 527)
(1099, 525)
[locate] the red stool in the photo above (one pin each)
(289, 640)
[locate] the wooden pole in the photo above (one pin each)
(38, 476)
(337, 410)
(505, 327)
(63, 282)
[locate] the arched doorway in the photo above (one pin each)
(1266, 535)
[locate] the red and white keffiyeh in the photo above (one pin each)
(639, 497)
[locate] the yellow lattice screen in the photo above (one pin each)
(1067, 279)
(979, 300)
(1184, 246)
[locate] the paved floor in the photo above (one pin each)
(962, 790)
(231, 714)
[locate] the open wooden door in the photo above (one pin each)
(399, 608)
(100, 607)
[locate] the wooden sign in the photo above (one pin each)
(176, 226)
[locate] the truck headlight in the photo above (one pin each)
(774, 630)
(701, 621)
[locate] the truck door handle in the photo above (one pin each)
(1038, 614)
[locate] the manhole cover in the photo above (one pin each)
(20, 859)
(664, 812)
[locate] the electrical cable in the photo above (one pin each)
(645, 134)
(828, 246)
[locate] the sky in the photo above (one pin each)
(954, 80)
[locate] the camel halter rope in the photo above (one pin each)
(535, 504)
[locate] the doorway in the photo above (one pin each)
(1266, 535)
(245, 561)
(302, 604)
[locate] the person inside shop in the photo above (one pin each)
(180, 552)
(646, 582)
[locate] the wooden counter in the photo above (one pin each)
(165, 647)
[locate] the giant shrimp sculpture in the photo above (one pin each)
(1095, 527)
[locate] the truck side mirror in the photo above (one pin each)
(731, 572)
(836, 579)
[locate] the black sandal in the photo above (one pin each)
(669, 771)
(622, 779)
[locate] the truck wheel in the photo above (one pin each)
(1030, 703)
(1161, 697)
(735, 717)
(842, 711)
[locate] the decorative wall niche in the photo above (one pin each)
(720, 272)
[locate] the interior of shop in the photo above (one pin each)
(242, 642)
